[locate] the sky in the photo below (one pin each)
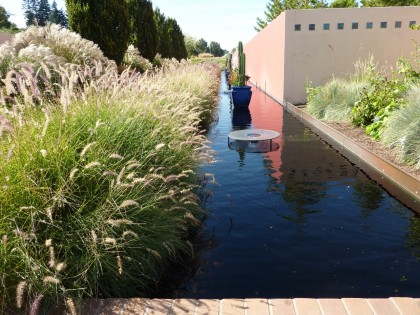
(222, 21)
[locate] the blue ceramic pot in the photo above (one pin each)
(241, 96)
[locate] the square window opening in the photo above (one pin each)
(354, 26)
(384, 24)
(369, 25)
(312, 27)
(397, 24)
(412, 23)
(297, 27)
(340, 26)
(326, 26)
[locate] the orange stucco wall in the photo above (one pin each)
(265, 58)
(282, 60)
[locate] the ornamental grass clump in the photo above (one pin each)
(402, 131)
(334, 101)
(98, 183)
(132, 58)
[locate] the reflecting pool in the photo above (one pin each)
(300, 221)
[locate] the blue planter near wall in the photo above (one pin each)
(241, 96)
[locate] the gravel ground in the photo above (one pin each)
(359, 136)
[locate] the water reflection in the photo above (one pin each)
(302, 195)
(368, 195)
(414, 236)
(241, 117)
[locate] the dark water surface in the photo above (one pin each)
(301, 221)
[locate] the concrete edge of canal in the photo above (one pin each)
(397, 182)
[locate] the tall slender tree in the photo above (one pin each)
(104, 22)
(58, 16)
(163, 34)
(273, 10)
(275, 7)
(42, 12)
(29, 8)
(144, 33)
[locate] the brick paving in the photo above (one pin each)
(297, 306)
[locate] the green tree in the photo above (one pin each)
(216, 50)
(202, 46)
(42, 12)
(344, 4)
(104, 22)
(144, 33)
(58, 16)
(176, 40)
(29, 8)
(163, 46)
(191, 46)
(4, 19)
(389, 3)
(273, 10)
(275, 7)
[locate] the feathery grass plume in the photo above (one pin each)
(133, 58)
(27, 208)
(60, 266)
(120, 264)
(92, 165)
(73, 173)
(50, 279)
(129, 233)
(49, 212)
(62, 43)
(20, 291)
(128, 203)
(120, 176)
(10, 152)
(159, 146)
(116, 156)
(51, 262)
(87, 147)
(94, 237)
(71, 307)
(119, 222)
(35, 305)
(110, 240)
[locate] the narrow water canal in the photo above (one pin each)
(301, 221)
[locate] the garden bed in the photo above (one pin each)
(359, 136)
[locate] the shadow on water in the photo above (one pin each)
(298, 221)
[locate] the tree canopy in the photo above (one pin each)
(144, 33)
(40, 12)
(344, 4)
(4, 19)
(171, 43)
(389, 3)
(275, 7)
(58, 16)
(104, 22)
